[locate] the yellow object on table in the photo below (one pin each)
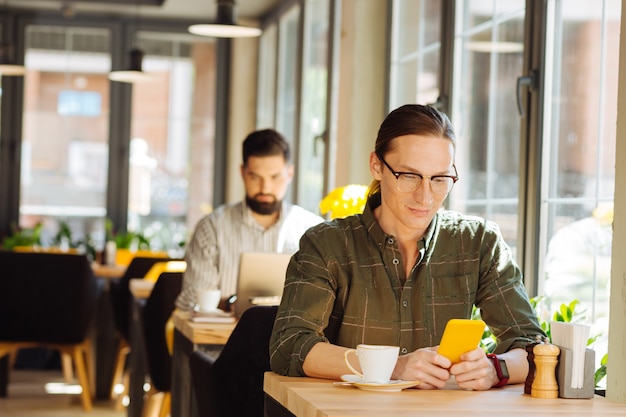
(159, 267)
(49, 249)
(125, 256)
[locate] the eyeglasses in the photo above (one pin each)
(410, 181)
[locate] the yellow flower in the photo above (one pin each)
(344, 201)
(604, 213)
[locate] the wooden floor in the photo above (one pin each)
(27, 396)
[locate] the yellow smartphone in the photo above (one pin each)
(460, 336)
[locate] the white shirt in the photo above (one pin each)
(213, 253)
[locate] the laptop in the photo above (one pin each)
(261, 279)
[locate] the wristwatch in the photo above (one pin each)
(501, 370)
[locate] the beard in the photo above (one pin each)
(263, 207)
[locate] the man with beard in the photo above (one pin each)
(263, 222)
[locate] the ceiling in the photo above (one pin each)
(179, 9)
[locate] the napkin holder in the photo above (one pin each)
(564, 375)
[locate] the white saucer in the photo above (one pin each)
(391, 386)
(215, 312)
(212, 311)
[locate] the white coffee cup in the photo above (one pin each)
(377, 362)
(208, 300)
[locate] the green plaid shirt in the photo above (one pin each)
(346, 285)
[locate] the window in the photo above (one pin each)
(79, 103)
(313, 134)
(169, 186)
(563, 242)
(293, 86)
(64, 160)
(578, 155)
(287, 87)
(266, 94)
(88, 153)
(415, 52)
(488, 59)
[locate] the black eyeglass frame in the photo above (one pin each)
(397, 174)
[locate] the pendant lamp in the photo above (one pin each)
(134, 73)
(7, 66)
(225, 26)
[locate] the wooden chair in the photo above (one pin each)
(48, 300)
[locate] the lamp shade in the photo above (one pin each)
(225, 25)
(7, 65)
(134, 73)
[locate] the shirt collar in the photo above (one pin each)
(377, 233)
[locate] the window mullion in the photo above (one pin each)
(529, 219)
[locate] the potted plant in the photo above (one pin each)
(22, 237)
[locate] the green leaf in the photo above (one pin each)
(601, 371)
(22, 237)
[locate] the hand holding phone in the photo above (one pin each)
(460, 336)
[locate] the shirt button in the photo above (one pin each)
(396, 261)
(404, 350)
(405, 303)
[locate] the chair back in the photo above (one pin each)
(156, 313)
(201, 367)
(235, 379)
(46, 297)
(120, 292)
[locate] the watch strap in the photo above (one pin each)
(501, 370)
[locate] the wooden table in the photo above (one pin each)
(189, 336)
(108, 271)
(202, 333)
(310, 397)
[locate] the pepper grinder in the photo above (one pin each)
(544, 384)
(531, 367)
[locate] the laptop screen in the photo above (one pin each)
(261, 279)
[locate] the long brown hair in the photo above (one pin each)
(410, 119)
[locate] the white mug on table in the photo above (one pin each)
(209, 300)
(377, 362)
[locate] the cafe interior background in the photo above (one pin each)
(531, 86)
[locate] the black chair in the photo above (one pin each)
(120, 292)
(48, 300)
(232, 384)
(155, 315)
(120, 296)
(201, 367)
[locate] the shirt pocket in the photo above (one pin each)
(454, 284)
